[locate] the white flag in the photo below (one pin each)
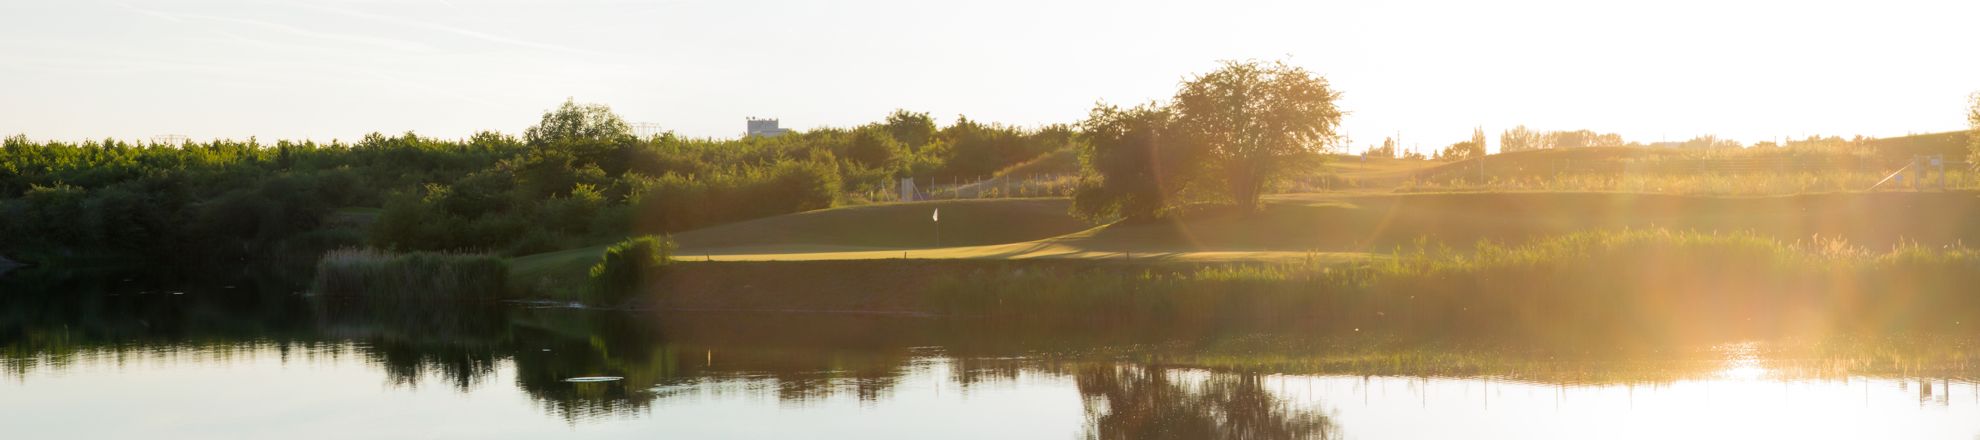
(937, 216)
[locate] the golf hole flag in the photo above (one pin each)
(937, 217)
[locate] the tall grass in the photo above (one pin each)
(1585, 287)
(416, 276)
(1763, 183)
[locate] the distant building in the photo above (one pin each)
(764, 127)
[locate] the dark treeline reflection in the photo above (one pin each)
(1133, 402)
(1150, 381)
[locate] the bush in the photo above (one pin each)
(628, 266)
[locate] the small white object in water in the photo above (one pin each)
(589, 379)
(178, 293)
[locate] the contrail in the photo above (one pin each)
(484, 36)
(360, 39)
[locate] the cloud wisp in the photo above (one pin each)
(378, 42)
(460, 31)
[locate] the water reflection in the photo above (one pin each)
(1132, 402)
(712, 370)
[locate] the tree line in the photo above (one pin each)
(579, 176)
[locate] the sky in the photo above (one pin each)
(1429, 71)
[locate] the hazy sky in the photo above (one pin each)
(1651, 70)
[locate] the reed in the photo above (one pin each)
(416, 276)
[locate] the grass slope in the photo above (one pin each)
(1380, 222)
(855, 232)
(896, 225)
(1952, 144)
(1377, 172)
(1309, 227)
(1296, 225)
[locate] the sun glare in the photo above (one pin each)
(1742, 362)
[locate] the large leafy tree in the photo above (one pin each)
(1258, 122)
(1474, 148)
(872, 147)
(913, 130)
(1135, 169)
(572, 144)
(1521, 139)
(578, 122)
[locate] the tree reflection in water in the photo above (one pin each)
(799, 359)
(1136, 402)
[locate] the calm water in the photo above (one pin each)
(100, 357)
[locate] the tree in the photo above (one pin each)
(575, 122)
(1570, 139)
(1135, 169)
(1258, 122)
(1458, 151)
(1478, 142)
(1388, 149)
(568, 140)
(872, 147)
(1606, 140)
(911, 129)
(1521, 139)
(1710, 142)
(1474, 148)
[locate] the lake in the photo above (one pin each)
(102, 357)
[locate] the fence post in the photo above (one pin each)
(1914, 173)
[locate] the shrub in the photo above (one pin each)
(629, 265)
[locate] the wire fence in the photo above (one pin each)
(1768, 175)
(988, 187)
(1725, 176)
